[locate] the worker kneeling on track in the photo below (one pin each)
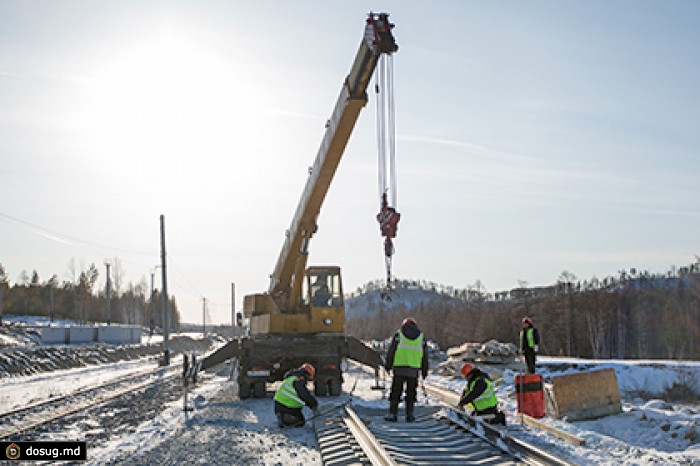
(292, 395)
(480, 395)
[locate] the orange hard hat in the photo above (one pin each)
(466, 369)
(409, 320)
(309, 370)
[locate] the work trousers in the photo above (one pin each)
(529, 354)
(397, 389)
(290, 416)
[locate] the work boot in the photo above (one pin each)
(409, 413)
(393, 409)
(280, 421)
(500, 418)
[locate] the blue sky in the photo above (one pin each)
(532, 138)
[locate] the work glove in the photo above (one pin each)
(536, 348)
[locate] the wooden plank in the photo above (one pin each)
(566, 436)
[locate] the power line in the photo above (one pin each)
(63, 238)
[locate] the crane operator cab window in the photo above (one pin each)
(325, 289)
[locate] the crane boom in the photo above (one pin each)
(301, 318)
(285, 281)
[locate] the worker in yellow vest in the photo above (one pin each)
(292, 395)
(407, 358)
(529, 344)
(480, 395)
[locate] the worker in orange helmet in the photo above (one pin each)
(292, 395)
(480, 394)
(407, 357)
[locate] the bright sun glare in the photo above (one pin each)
(169, 95)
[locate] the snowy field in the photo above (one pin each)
(221, 429)
(650, 430)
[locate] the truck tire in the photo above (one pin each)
(243, 390)
(259, 390)
(336, 388)
(321, 387)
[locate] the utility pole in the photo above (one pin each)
(107, 293)
(204, 316)
(166, 317)
(50, 301)
(233, 304)
(151, 306)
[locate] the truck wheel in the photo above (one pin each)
(259, 390)
(336, 387)
(321, 387)
(243, 390)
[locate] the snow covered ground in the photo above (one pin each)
(19, 391)
(650, 430)
(221, 429)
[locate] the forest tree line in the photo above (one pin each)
(76, 298)
(634, 315)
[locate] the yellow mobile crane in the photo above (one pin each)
(301, 318)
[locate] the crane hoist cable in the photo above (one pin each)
(388, 217)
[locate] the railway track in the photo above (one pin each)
(32, 416)
(440, 435)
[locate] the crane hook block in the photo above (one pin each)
(388, 219)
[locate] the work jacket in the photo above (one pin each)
(529, 338)
(408, 352)
(479, 392)
(293, 393)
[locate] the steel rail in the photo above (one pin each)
(80, 391)
(376, 453)
(80, 406)
(492, 434)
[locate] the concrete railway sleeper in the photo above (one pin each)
(438, 436)
(495, 435)
(361, 436)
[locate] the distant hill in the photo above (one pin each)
(613, 317)
(406, 295)
(412, 294)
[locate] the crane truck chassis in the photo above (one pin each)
(266, 358)
(301, 318)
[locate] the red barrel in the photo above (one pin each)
(530, 395)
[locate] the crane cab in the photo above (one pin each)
(323, 287)
(320, 307)
(322, 295)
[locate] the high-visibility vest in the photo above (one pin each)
(287, 395)
(409, 353)
(487, 399)
(529, 336)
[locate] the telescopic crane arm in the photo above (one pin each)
(286, 279)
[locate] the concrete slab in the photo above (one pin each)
(584, 395)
